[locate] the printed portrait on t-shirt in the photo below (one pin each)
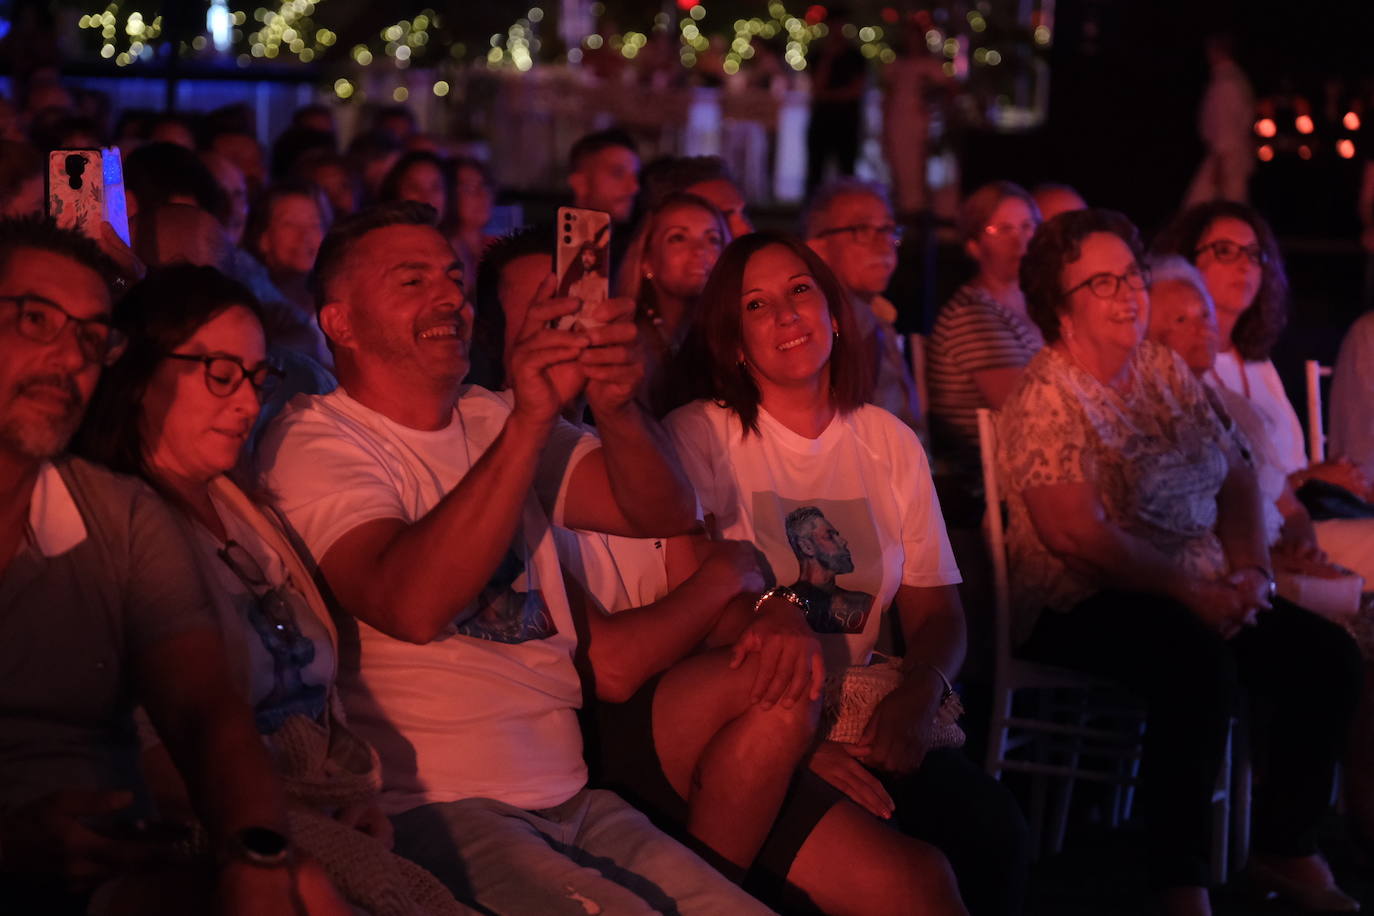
(507, 614)
(827, 551)
(822, 555)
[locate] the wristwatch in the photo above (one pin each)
(1273, 591)
(782, 591)
(260, 846)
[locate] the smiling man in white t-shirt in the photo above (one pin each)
(413, 493)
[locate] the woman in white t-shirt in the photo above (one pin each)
(177, 410)
(837, 495)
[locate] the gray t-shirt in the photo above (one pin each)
(104, 573)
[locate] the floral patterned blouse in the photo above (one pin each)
(1156, 454)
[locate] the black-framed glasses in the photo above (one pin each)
(1229, 252)
(866, 233)
(43, 321)
(1107, 285)
(271, 602)
(225, 374)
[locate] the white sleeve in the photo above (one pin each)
(567, 446)
(1291, 445)
(324, 481)
(929, 559)
(690, 430)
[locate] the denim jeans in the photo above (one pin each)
(593, 855)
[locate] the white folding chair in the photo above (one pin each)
(1095, 735)
(1316, 431)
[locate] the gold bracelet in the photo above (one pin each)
(782, 591)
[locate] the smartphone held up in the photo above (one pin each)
(583, 263)
(85, 187)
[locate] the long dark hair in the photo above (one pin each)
(708, 364)
(1259, 326)
(159, 314)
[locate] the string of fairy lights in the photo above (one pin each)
(289, 31)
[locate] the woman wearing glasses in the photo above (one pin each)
(982, 340)
(1137, 547)
(176, 410)
(1233, 248)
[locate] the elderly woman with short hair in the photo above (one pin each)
(1138, 554)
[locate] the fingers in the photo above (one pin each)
(800, 684)
(817, 674)
(784, 673)
(545, 310)
(765, 673)
(621, 334)
(747, 643)
(612, 311)
(865, 789)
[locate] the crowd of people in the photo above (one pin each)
(341, 574)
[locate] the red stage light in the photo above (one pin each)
(1266, 153)
(1266, 127)
(1305, 151)
(1351, 121)
(685, 5)
(1304, 124)
(889, 15)
(815, 14)
(1346, 148)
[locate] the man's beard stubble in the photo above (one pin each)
(46, 435)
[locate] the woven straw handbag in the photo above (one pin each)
(853, 694)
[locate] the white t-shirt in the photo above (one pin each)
(858, 500)
(486, 709)
(288, 662)
(1260, 383)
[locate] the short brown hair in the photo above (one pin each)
(1057, 244)
(342, 236)
(710, 356)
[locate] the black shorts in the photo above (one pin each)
(624, 756)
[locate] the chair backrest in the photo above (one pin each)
(1316, 432)
(994, 534)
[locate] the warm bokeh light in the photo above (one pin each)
(1266, 127)
(1265, 153)
(1346, 149)
(1351, 121)
(1305, 151)
(1303, 123)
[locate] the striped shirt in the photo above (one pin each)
(973, 333)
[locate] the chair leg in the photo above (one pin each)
(1241, 784)
(1064, 797)
(1221, 813)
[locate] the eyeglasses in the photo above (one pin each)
(270, 599)
(225, 374)
(1106, 285)
(1229, 252)
(1003, 230)
(43, 321)
(865, 233)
